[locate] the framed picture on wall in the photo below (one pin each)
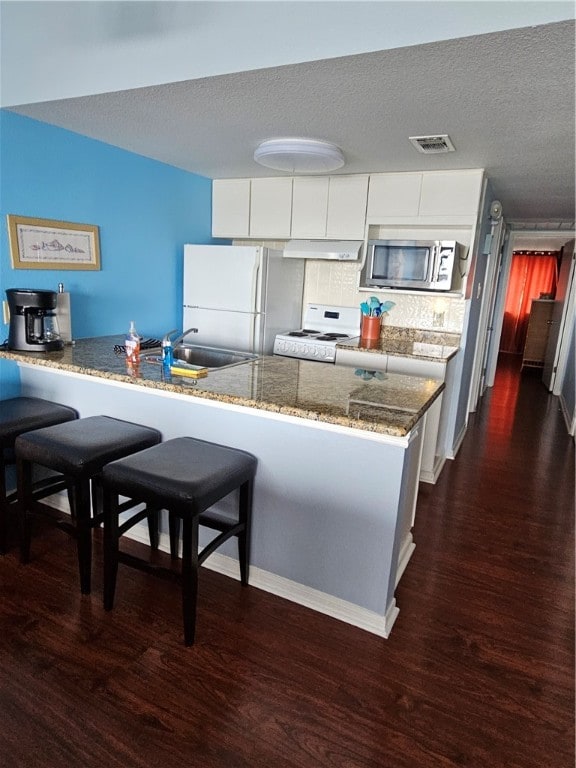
(49, 244)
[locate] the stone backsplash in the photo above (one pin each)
(336, 283)
(420, 336)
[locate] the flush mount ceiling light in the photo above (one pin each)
(299, 155)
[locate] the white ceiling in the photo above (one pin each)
(505, 97)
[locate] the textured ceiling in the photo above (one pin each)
(506, 99)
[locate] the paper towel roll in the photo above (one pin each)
(64, 317)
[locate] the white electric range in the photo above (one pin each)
(324, 327)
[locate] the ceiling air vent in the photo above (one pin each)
(431, 145)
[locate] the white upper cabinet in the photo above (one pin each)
(394, 194)
(271, 208)
(231, 207)
(340, 207)
(454, 193)
(329, 207)
(347, 197)
(441, 194)
(309, 206)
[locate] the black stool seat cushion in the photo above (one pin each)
(22, 414)
(182, 474)
(82, 447)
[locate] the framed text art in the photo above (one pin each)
(48, 244)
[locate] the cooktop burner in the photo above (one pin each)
(330, 336)
(323, 327)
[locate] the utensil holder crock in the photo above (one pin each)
(370, 327)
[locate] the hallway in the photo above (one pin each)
(495, 556)
(478, 671)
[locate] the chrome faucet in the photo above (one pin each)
(178, 339)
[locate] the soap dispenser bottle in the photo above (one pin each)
(132, 344)
(167, 351)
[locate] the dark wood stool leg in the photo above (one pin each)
(71, 501)
(189, 576)
(245, 517)
(153, 518)
(24, 473)
(81, 492)
(97, 500)
(174, 531)
(111, 538)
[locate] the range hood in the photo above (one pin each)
(336, 250)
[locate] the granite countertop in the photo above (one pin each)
(408, 342)
(319, 391)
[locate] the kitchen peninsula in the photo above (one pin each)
(339, 458)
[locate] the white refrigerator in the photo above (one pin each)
(239, 297)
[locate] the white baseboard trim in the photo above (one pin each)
(430, 476)
(458, 442)
(281, 587)
(404, 556)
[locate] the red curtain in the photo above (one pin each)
(530, 275)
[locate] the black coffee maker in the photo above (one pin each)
(33, 323)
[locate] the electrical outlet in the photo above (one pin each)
(5, 312)
(438, 319)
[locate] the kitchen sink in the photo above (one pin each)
(211, 357)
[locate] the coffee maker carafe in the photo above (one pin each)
(33, 323)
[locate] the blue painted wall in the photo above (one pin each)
(145, 212)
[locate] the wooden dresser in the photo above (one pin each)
(537, 335)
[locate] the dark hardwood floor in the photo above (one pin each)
(478, 671)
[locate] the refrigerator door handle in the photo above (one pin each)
(253, 332)
(254, 294)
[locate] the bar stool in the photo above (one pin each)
(19, 415)
(185, 476)
(77, 450)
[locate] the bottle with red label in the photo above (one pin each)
(132, 344)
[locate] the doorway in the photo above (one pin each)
(533, 277)
(517, 240)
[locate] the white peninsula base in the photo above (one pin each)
(333, 506)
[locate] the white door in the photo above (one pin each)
(489, 305)
(222, 277)
(559, 320)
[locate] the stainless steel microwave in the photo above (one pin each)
(422, 264)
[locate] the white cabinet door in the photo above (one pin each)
(231, 207)
(309, 206)
(415, 366)
(394, 194)
(432, 450)
(357, 358)
(432, 460)
(347, 198)
(451, 193)
(271, 208)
